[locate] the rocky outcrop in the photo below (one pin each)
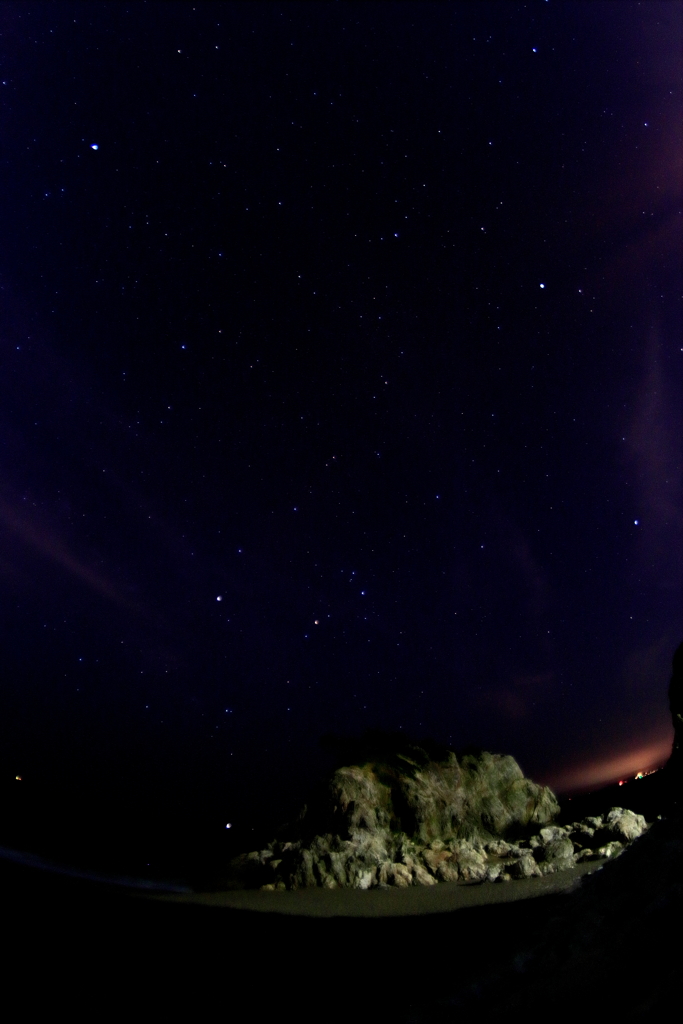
(415, 820)
(376, 858)
(475, 797)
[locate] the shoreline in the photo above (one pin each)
(417, 900)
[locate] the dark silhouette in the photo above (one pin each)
(675, 764)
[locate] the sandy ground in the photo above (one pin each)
(414, 901)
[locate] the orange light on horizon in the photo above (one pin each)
(619, 767)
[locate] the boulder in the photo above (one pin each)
(525, 867)
(396, 874)
(472, 863)
(624, 825)
(477, 796)
(612, 849)
(555, 852)
(498, 848)
(448, 871)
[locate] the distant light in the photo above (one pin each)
(94, 146)
(621, 782)
(542, 286)
(229, 825)
(219, 598)
(18, 778)
(635, 522)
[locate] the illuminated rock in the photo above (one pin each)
(409, 817)
(427, 799)
(624, 825)
(525, 867)
(404, 816)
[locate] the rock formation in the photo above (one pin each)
(408, 818)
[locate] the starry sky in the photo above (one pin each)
(340, 384)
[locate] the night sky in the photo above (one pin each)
(341, 375)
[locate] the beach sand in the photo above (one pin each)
(443, 898)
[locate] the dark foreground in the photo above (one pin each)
(610, 946)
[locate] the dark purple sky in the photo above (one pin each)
(341, 375)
